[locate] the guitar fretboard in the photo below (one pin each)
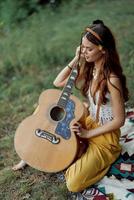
(67, 89)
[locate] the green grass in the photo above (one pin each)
(31, 55)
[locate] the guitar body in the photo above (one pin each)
(44, 140)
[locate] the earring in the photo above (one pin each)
(100, 47)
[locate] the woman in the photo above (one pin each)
(101, 81)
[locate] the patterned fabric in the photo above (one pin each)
(119, 189)
(94, 193)
(124, 165)
(123, 168)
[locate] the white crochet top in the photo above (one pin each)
(105, 112)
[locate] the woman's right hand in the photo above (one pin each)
(78, 51)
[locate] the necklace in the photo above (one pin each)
(95, 74)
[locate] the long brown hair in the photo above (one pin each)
(111, 63)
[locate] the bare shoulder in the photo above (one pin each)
(117, 99)
(114, 83)
(115, 89)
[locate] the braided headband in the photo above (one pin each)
(93, 33)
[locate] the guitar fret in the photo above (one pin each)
(67, 89)
(62, 104)
(63, 98)
(72, 77)
(65, 93)
(68, 86)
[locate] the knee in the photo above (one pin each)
(73, 185)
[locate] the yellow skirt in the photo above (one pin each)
(102, 151)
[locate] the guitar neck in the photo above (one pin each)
(68, 88)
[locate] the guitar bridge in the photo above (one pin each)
(48, 136)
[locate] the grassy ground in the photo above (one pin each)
(31, 54)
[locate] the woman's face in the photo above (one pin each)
(90, 51)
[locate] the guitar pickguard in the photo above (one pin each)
(62, 128)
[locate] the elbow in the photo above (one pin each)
(120, 122)
(55, 84)
(58, 84)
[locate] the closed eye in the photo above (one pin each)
(87, 48)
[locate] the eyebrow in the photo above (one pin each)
(86, 46)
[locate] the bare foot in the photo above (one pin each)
(20, 165)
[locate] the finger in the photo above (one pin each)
(75, 126)
(78, 133)
(77, 123)
(75, 130)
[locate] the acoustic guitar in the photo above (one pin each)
(44, 140)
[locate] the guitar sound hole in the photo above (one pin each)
(57, 113)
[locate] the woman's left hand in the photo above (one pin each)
(81, 132)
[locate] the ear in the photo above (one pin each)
(100, 47)
(103, 51)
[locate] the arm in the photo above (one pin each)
(118, 109)
(62, 77)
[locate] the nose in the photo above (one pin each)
(83, 50)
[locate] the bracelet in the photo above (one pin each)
(69, 67)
